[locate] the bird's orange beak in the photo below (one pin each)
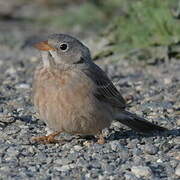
(43, 46)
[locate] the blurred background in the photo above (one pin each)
(122, 25)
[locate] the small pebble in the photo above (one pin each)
(22, 86)
(115, 145)
(177, 140)
(178, 122)
(167, 80)
(177, 170)
(62, 168)
(77, 147)
(151, 149)
(141, 171)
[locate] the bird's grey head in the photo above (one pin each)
(65, 49)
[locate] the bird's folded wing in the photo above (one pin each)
(105, 90)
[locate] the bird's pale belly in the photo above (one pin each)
(61, 112)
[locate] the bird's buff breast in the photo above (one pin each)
(65, 101)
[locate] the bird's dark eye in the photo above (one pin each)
(63, 46)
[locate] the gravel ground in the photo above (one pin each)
(152, 90)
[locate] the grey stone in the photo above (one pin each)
(177, 170)
(63, 168)
(115, 145)
(178, 122)
(177, 140)
(151, 149)
(141, 171)
(78, 148)
(129, 176)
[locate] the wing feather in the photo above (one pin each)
(105, 89)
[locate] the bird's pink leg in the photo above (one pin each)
(101, 139)
(47, 139)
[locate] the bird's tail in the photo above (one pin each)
(137, 123)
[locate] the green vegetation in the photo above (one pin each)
(147, 22)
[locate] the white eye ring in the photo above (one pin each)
(63, 46)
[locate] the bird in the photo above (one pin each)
(73, 95)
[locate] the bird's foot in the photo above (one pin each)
(101, 139)
(49, 139)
